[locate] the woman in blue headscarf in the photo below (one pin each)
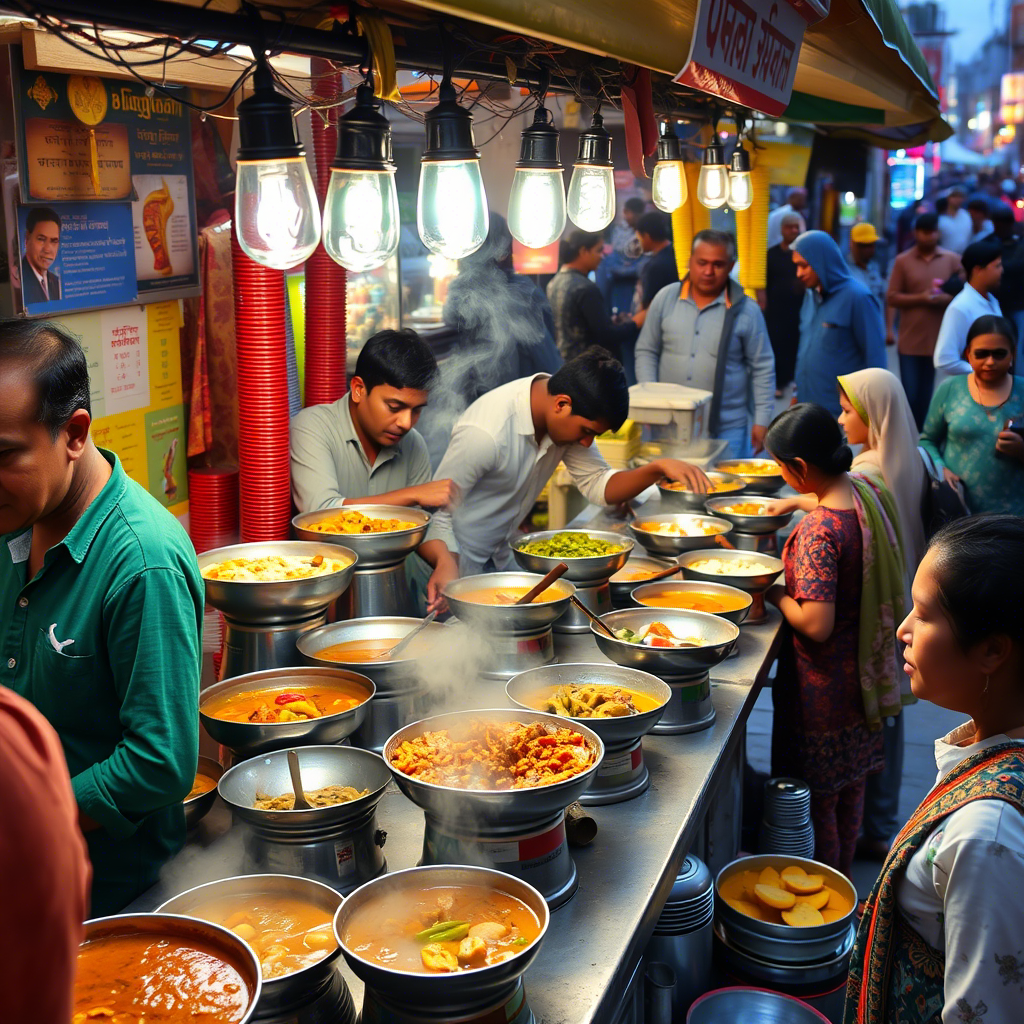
(841, 325)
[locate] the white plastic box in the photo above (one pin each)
(674, 416)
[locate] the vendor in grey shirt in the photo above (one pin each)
(509, 442)
(363, 448)
(705, 333)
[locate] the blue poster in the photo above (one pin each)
(76, 256)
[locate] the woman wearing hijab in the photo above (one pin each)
(877, 415)
(841, 325)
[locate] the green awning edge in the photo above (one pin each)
(897, 36)
(805, 107)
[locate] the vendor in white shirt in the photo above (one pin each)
(942, 937)
(508, 443)
(983, 265)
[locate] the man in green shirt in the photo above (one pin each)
(101, 605)
(364, 449)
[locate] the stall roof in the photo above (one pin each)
(860, 71)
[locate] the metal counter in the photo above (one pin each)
(596, 940)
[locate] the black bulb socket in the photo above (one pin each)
(714, 154)
(740, 161)
(266, 125)
(449, 130)
(364, 136)
(669, 146)
(595, 145)
(539, 146)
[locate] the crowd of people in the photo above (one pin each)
(901, 574)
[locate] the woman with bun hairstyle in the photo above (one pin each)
(843, 596)
(942, 934)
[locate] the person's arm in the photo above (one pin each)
(979, 880)
(802, 502)
(600, 328)
(948, 355)
(758, 354)
(808, 600)
(814, 619)
(869, 332)
(647, 354)
(153, 626)
(933, 436)
(471, 454)
(628, 483)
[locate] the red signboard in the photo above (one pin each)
(534, 261)
(746, 51)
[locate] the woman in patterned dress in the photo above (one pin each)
(964, 432)
(942, 937)
(827, 725)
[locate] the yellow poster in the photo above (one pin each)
(125, 435)
(164, 354)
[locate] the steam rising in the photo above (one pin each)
(505, 332)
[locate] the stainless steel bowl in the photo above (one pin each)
(459, 991)
(278, 993)
(461, 805)
(692, 501)
(780, 942)
(534, 685)
(286, 600)
(748, 523)
(506, 618)
(385, 674)
(621, 589)
(248, 738)
(160, 926)
(268, 775)
(690, 587)
(595, 569)
(668, 661)
(756, 583)
(751, 1006)
(375, 550)
(666, 544)
(199, 806)
(769, 483)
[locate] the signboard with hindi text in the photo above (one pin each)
(746, 51)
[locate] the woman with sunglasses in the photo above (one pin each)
(965, 429)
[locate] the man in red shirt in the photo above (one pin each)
(914, 291)
(44, 866)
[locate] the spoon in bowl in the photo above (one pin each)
(301, 803)
(408, 638)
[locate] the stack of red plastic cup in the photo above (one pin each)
(213, 507)
(326, 281)
(264, 482)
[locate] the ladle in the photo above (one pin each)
(301, 803)
(408, 638)
(559, 570)
(662, 573)
(590, 615)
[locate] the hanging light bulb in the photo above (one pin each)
(451, 207)
(713, 180)
(277, 216)
(741, 188)
(668, 183)
(591, 204)
(361, 223)
(536, 204)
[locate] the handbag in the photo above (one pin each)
(941, 502)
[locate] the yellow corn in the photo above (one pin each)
(682, 236)
(756, 276)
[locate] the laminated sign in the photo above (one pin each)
(746, 51)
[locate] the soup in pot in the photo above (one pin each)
(276, 705)
(694, 601)
(441, 930)
(509, 595)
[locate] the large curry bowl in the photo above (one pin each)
(507, 618)
(454, 804)
(375, 550)
(589, 569)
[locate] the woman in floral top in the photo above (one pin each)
(942, 937)
(821, 730)
(964, 429)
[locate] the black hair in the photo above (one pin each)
(596, 385)
(58, 365)
(656, 225)
(979, 254)
(992, 324)
(977, 203)
(40, 215)
(809, 432)
(977, 569)
(577, 239)
(926, 222)
(1001, 214)
(636, 204)
(400, 359)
